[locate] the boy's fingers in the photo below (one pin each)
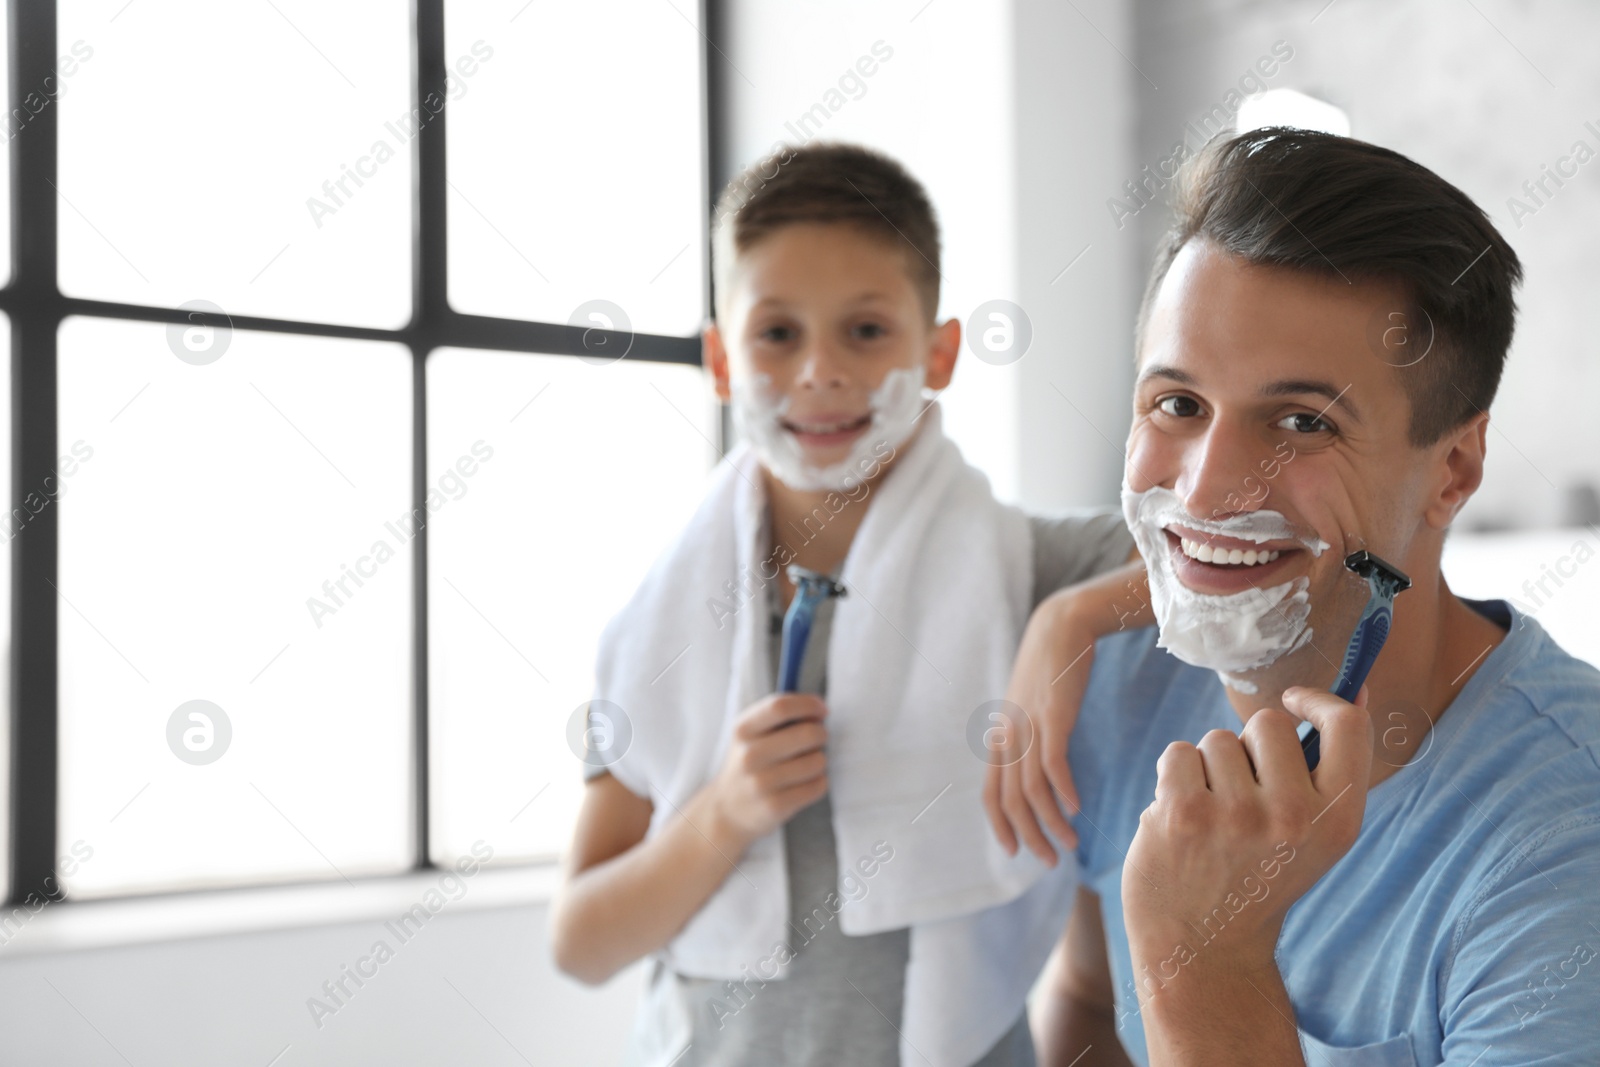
(997, 818)
(1015, 806)
(1059, 772)
(1042, 798)
(794, 772)
(789, 741)
(775, 712)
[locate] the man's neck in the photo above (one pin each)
(1435, 645)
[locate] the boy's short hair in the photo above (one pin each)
(827, 182)
(1343, 208)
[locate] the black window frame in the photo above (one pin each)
(37, 307)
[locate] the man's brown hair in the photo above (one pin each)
(1350, 210)
(827, 182)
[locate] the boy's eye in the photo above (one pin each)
(1300, 422)
(777, 334)
(1178, 405)
(870, 331)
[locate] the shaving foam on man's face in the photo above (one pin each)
(791, 446)
(1212, 582)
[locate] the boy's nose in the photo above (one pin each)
(821, 367)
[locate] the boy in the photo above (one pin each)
(815, 879)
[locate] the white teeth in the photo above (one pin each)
(1232, 557)
(830, 427)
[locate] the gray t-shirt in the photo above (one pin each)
(840, 999)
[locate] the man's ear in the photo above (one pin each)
(1461, 453)
(945, 346)
(715, 359)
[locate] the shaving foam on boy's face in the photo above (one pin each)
(804, 452)
(1229, 594)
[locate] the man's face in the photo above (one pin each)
(1258, 391)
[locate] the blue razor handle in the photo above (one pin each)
(811, 589)
(1372, 630)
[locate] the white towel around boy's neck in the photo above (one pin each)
(938, 585)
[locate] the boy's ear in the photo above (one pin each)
(1461, 457)
(715, 359)
(946, 345)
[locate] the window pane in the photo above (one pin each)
(210, 504)
(19, 510)
(17, 121)
(576, 161)
(207, 151)
(580, 476)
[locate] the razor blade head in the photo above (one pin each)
(1376, 570)
(816, 583)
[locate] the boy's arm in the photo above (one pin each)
(1048, 681)
(1076, 1020)
(626, 894)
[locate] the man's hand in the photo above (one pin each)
(1239, 830)
(1028, 780)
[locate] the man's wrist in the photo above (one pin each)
(1182, 975)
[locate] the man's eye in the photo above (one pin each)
(1181, 406)
(1300, 422)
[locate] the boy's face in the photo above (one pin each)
(817, 318)
(1258, 391)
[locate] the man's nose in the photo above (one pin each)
(1221, 473)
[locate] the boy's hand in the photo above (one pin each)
(776, 765)
(1048, 680)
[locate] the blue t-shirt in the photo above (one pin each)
(1463, 927)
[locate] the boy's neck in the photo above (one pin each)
(818, 526)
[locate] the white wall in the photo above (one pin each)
(1013, 116)
(472, 986)
(1484, 94)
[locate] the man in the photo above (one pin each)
(1318, 346)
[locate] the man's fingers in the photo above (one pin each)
(1346, 731)
(1274, 747)
(1227, 768)
(1180, 770)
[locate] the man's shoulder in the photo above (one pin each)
(1553, 683)
(1540, 702)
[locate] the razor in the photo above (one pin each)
(1385, 582)
(810, 590)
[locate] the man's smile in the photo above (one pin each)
(1220, 566)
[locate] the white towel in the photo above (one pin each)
(938, 585)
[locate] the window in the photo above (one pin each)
(279, 601)
(529, 558)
